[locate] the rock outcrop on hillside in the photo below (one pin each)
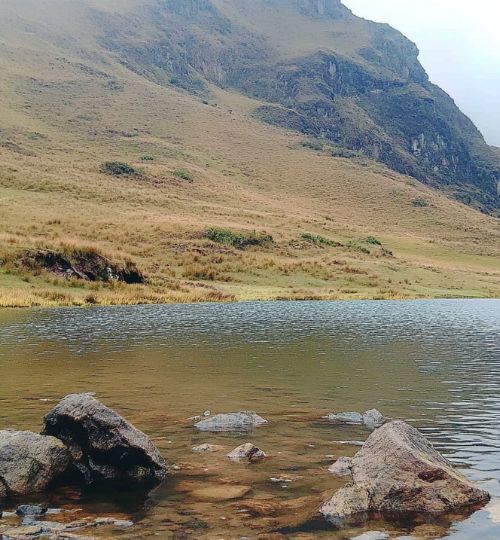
(362, 88)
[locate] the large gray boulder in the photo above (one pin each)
(103, 445)
(29, 462)
(239, 422)
(398, 472)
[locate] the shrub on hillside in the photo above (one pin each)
(319, 240)
(118, 168)
(373, 241)
(419, 202)
(183, 175)
(238, 240)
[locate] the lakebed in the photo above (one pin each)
(435, 364)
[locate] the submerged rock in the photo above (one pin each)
(373, 419)
(207, 448)
(342, 467)
(220, 493)
(247, 452)
(281, 514)
(29, 462)
(31, 510)
(103, 445)
(345, 418)
(398, 472)
(53, 530)
(372, 535)
(239, 422)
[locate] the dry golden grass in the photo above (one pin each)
(60, 123)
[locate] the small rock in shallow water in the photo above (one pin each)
(220, 493)
(110, 521)
(350, 443)
(207, 448)
(373, 419)
(345, 418)
(238, 422)
(247, 452)
(49, 527)
(22, 532)
(375, 535)
(31, 510)
(342, 467)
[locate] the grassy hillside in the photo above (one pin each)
(209, 184)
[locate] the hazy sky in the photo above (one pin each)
(459, 42)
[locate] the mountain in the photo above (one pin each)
(220, 149)
(321, 71)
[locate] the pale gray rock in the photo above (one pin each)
(239, 422)
(247, 452)
(345, 418)
(398, 472)
(22, 532)
(31, 510)
(373, 419)
(30, 463)
(342, 467)
(372, 535)
(103, 445)
(207, 448)
(349, 501)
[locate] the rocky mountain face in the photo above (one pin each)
(319, 70)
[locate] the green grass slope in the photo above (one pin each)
(217, 205)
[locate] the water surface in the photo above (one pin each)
(433, 363)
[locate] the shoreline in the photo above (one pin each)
(347, 299)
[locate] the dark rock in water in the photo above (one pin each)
(29, 462)
(239, 422)
(31, 510)
(398, 472)
(104, 446)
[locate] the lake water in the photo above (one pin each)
(433, 363)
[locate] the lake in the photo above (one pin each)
(435, 364)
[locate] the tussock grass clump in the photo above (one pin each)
(420, 202)
(183, 175)
(319, 240)
(118, 168)
(238, 240)
(358, 247)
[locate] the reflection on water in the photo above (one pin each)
(435, 363)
